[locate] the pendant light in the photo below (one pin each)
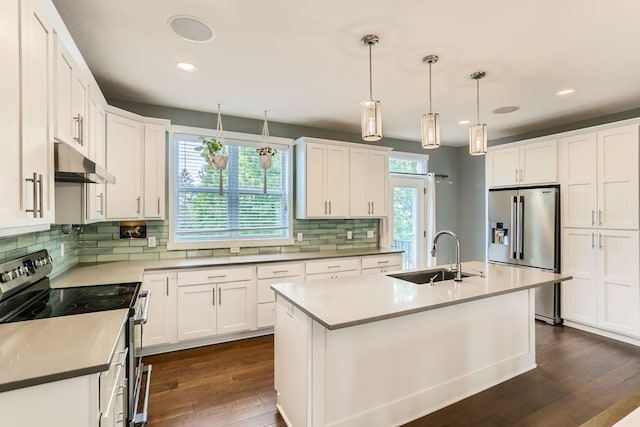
(478, 132)
(370, 111)
(430, 122)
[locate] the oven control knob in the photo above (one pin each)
(25, 270)
(7, 276)
(17, 272)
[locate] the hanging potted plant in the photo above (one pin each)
(213, 152)
(265, 155)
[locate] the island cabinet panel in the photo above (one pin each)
(395, 370)
(522, 163)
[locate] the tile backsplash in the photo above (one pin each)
(101, 242)
(51, 240)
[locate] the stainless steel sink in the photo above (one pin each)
(428, 276)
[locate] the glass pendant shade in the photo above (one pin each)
(371, 116)
(478, 139)
(430, 125)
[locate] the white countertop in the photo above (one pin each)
(131, 271)
(44, 350)
(355, 300)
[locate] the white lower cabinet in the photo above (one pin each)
(332, 268)
(113, 390)
(161, 327)
(604, 292)
(381, 264)
(271, 274)
(216, 301)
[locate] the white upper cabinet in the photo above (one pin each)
(340, 180)
(11, 213)
(322, 174)
(71, 100)
(154, 171)
(37, 127)
(369, 176)
(136, 157)
(523, 163)
(599, 179)
(124, 161)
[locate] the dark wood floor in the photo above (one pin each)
(578, 375)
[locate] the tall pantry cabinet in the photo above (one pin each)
(599, 176)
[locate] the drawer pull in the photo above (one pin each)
(383, 262)
(217, 277)
(334, 266)
(280, 271)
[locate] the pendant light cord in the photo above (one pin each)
(478, 99)
(429, 87)
(219, 125)
(265, 128)
(370, 75)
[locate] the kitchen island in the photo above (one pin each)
(381, 351)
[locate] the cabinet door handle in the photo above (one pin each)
(138, 200)
(81, 129)
(40, 195)
(373, 208)
(219, 296)
(213, 296)
(325, 207)
(167, 285)
(368, 208)
(516, 171)
(599, 240)
(101, 203)
(593, 217)
(329, 207)
(34, 183)
(593, 240)
(77, 120)
(158, 205)
(599, 216)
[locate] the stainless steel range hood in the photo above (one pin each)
(73, 166)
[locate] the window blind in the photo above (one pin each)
(242, 211)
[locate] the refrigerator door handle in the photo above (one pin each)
(520, 227)
(513, 241)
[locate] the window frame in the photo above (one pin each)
(276, 142)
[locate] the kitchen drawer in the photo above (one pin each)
(265, 293)
(380, 261)
(266, 314)
(333, 265)
(218, 275)
(333, 275)
(269, 271)
(109, 379)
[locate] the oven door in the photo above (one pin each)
(139, 372)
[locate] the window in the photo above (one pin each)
(242, 214)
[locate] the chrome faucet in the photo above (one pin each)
(458, 269)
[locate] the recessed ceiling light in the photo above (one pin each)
(191, 28)
(185, 66)
(565, 92)
(464, 122)
(506, 110)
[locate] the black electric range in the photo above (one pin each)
(27, 295)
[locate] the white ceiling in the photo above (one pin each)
(303, 62)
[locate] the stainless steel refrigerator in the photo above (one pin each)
(524, 229)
